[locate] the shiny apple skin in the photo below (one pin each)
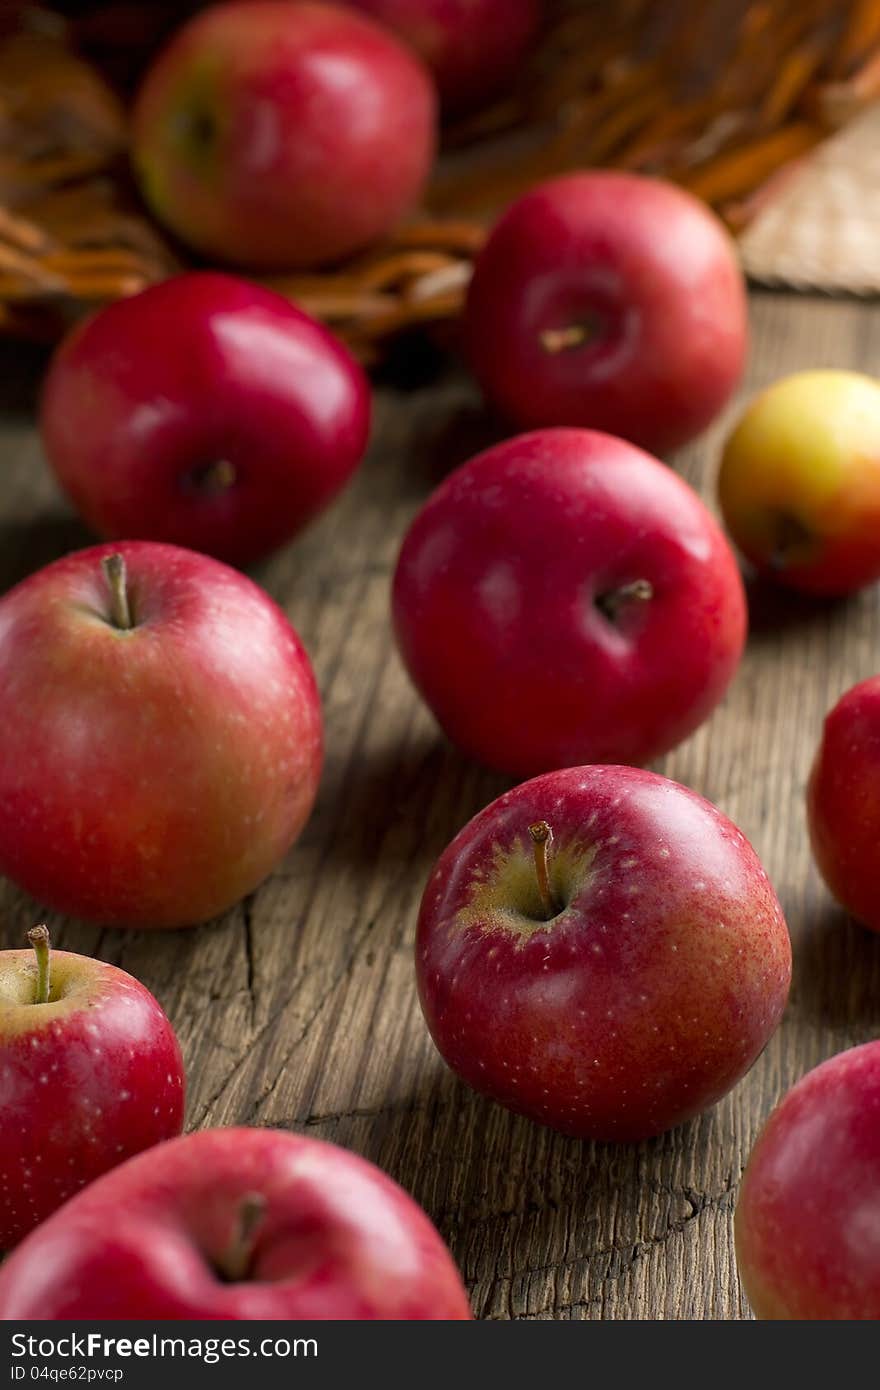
(806, 1219)
(151, 777)
(339, 1240)
(204, 369)
(653, 276)
(283, 136)
(843, 802)
(86, 1081)
(800, 482)
(473, 47)
(649, 995)
(495, 612)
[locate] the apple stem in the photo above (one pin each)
(120, 609)
(591, 325)
(556, 340)
(542, 838)
(236, 1263)
(610, 603)
(39, 939)
(217, 478)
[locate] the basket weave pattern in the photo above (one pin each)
(721, 97)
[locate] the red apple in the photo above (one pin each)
(611, 301)
(90, 1073)
(843, 802)
(564, 598)
(473, 47)
(162, 735)
(807, 1242)
(206, 412)
(601, 950)
(237, 1224)
(800, 482)
(273, 134)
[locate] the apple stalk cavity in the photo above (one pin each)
(213, 479)
(163, 734)
(249, 1217)
(575, 335)
(229, 436)
(799, 483)
(587, 582)
(611, 602)
(90, 1074)
(581, 313)
(324, 1235)
(618, 988)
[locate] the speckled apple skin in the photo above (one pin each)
(151, 777)
(339, 1240)
(650, 994)
(86, 1081)
(495, 604)
(275, 135)
(843, 802)
(808, 1215)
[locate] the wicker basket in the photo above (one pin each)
(720, 96)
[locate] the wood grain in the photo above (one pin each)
(298, 1008)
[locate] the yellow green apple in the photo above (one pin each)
(800, 481)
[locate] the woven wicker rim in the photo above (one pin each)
(628, 85)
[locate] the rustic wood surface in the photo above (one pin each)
(299, 1009)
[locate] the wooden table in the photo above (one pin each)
(299, 1009)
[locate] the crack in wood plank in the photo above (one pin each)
(338, 979)
(624, 1257)
(247, 916)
